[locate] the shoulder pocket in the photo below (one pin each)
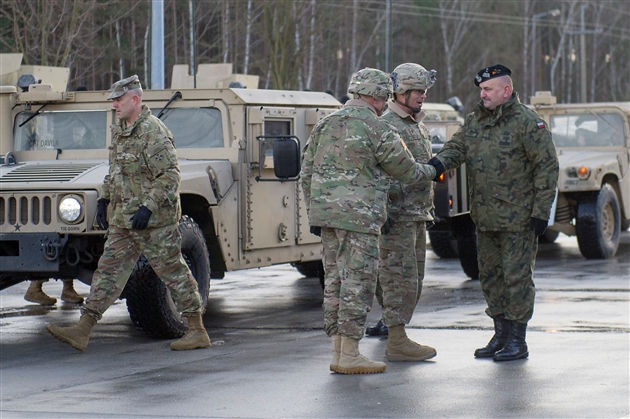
(159, 156)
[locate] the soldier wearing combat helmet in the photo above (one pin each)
(403, 247)
(142, 187)
(346, 166)
(512, 170)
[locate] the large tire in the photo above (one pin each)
(149, 301)
(313, 269)
(442, 244)
(598, 224)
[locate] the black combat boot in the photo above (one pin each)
(515, 347)
(501, 332)
(379, 329)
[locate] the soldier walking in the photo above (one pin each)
(143, 187)
(403, 248)
(512, 170)
(346, 166)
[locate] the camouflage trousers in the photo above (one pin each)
(401, 271)
(350, 265)
(162, 248)
(506, 266)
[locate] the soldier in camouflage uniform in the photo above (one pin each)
(143, 187)
(403, 248)
(346, 166)
(512, 170)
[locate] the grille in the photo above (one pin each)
(45, 173)
(26, 210)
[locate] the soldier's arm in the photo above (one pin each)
(105, 187)
(453, 153)
(306, 173)
(161, 160)
(541, 151)
(394, 157)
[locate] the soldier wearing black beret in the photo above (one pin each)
(512, 170)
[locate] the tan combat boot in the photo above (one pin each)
(336, 350)
(401, 348)
(196, 337)
(69, 295)
(77, 336)
(35, 294)
(352, 362)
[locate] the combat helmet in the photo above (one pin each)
(371, 82)
(411, 76)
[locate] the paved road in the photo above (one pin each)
(270, 358)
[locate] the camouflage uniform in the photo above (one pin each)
(512, 170)
(345, 168)
(403, 249)
(143, 171)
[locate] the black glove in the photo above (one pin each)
(140, 219)
(538, 226)
(101, 213)
(439, 167)
(316, 231)
(387, 227)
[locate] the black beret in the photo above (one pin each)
(488, 73)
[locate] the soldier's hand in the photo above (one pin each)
(316, 231)
(101, 213)
(140, 220)
(387, 227)
(439, 167)
(538, 226)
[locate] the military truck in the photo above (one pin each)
(593, 144)
(238, 150)
(453, 234)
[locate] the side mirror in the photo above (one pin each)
(286, 158)
(282, 152)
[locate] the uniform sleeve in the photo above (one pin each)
(394, 157)
(453, 153)
(306, 174)
(105, 187)
(161, 161)
(541, 151)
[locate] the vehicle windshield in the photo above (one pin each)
(438, 133)
(194, 127)
(588, 130)
(66, 130)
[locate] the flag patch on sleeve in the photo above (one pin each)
(540, 125)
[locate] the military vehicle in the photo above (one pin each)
(453, 234)
(593, 144)
(238, 150)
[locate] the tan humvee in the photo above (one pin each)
(238, 151)
(593, 143)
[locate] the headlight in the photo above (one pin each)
(70, 209)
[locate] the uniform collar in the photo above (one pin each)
(398, 110)
(481, 112)
(362, 103)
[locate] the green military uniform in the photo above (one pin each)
(512, 170)
(403, 249)
(143, 171)
(346, 166)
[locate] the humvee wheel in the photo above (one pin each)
(442, 244)
(598, 224)
(314, 269)
(149, 301)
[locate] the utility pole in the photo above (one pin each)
(388, 17)
(583, 32)
(157, 44)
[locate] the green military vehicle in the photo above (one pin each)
(238, 151)
(593, 144)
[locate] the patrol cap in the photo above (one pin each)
(488, 73)
(123, 86)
